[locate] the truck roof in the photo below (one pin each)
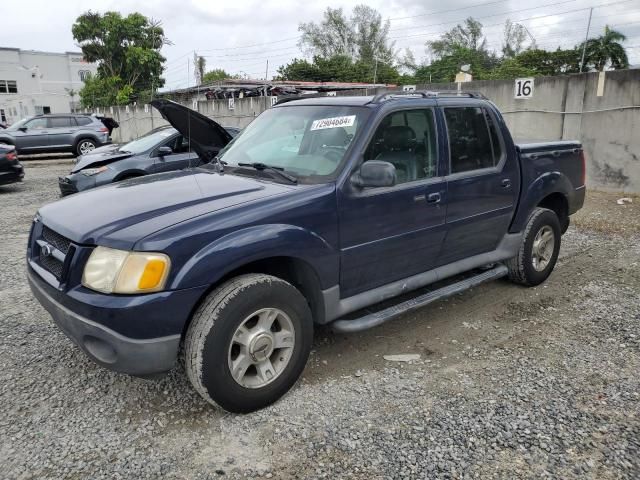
(359, 101)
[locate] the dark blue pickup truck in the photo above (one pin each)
(319, 208)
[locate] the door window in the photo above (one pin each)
(59, 122)
(407, 140)
(37, 124)
(83, 121)
(472, 144)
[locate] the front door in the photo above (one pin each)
(34, 135)
(390, 233)
(482, 185)
(180, 158)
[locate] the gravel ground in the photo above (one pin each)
(511, 382)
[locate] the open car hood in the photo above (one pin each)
(207, 137)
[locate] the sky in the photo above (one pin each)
(240, 36)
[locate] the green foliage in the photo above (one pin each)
(361, 37)
(445, 68)
(461, 37)
(606, 51)
(215, 75)
(339, 68)
(127, 50)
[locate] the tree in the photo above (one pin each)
(127, 50)
(339, 68)
(514, 38)
(606, 51)
(467, 36)
(444, 69)
(361, 37)
(215, 75)
(199, 65)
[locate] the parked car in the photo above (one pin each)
(11, 171)
(161, 150)
(321, 208)
(74, 133)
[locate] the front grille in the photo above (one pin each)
(53, 265)
(48, 259)
(56, 240)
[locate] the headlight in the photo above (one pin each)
(118, 271)
(94, 171)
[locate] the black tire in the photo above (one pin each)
(521, 267)
(81, 143)
(211, 333)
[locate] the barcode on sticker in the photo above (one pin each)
(334, 122)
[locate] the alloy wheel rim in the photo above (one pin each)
(543, 247)
(86, 147)
(261, 348)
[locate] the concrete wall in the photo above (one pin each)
(564, 107)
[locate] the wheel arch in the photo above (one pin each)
(296, 271)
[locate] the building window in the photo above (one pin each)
(42, 110)
(8, 86)
(3, 117)
(84, 74)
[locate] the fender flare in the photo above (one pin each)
(543, 186)
(259, 242)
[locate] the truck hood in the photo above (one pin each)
(118, 215)
(206, 136)
(100, 156)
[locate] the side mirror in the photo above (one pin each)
(164, 151)
(375, 173)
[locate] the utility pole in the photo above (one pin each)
(375, 70)
(586, 37)
(266, 75)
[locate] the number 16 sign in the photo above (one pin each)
(523, 88)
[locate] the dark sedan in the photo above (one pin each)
(10, 169)
(161, 150)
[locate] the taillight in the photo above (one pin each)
(104, 130)
(584, 167)
(11, 156)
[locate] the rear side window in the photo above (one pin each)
(83, 121)
(60, 122)
(473, 145)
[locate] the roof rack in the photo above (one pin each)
(381, 97)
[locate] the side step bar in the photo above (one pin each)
(378, 318)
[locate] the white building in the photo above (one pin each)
(33, 82)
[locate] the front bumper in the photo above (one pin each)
(108, 348)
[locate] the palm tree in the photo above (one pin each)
(606, 50)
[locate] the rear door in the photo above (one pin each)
(60, 131)
(482, 182)
(390, 233)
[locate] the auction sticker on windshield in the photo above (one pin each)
(334, 122)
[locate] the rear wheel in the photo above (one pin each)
(248, 342)
(539, 251)
(84, 146)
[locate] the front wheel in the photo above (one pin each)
(248, 342)
(539, 250)
(85, 146)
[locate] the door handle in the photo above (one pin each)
(434, 198)
(506, 183)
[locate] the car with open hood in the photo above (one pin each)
(329, 210)
(163, 149)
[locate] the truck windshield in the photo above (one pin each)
(306, 141)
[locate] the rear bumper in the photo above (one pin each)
(15, 173)
(108, 348)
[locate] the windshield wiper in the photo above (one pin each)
(263, 166)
